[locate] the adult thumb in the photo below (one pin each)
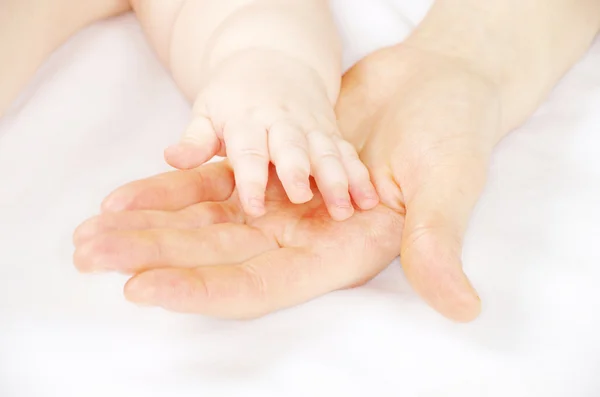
(439, 202)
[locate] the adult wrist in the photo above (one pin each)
(521, 47)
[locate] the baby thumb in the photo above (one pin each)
(198, 144)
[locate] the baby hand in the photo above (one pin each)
(262, 107)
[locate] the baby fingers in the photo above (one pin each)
(198, 144)
(288, 148)
(247, 150)
(361, 189)
(330, 174)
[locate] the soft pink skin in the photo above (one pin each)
(258, 97)
(295, 252)
(263, 76)
(277, 112)
(424, 116)
(177, 232)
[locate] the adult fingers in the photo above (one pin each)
(134, 251)
(174, 190)
(274, 280)
(193, 217)
(438, 209)
(281, 277)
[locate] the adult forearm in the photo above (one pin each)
(523, 46)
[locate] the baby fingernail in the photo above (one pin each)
(256, 203)
(370, 194)
(370, 198)
(303, 185)
(341, 212)
(343, 203)
(257, 206)
(304, 190)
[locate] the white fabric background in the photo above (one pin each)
(99, 114)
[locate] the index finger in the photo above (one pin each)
(174, 190)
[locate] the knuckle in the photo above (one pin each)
(252, 154)
(360, 173)
(222, 239)
(266, 113)
(293, 164)
(346, 148)
(199, 179)
(199, 289)
(291, 176)
(426, 237)
(314, 135)
(328, 126)
(328, 156)
(296, 145)
(294, 167)
(156, 248)
(290, 148)
(256, 282)
(202, 288)
(312, 122)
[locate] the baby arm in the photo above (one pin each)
(31, 29)
(270, 73)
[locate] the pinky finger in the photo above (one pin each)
(261, 285)
(359, 182)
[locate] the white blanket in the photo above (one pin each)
(99, 114)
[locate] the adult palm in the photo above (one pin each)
(190, 248)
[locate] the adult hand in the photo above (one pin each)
(190, 248)
(425, 116)
(425, 125)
